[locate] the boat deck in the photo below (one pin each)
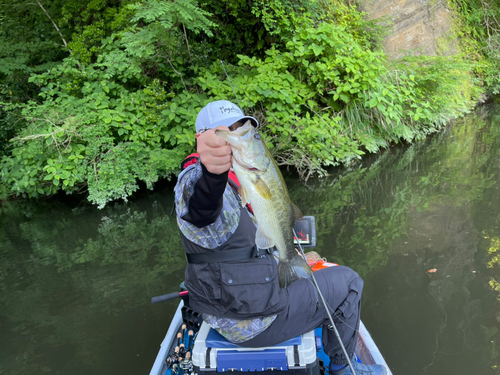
(366, 349)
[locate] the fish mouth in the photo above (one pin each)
(247, 167)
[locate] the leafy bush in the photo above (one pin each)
(326, 99)
(95, 129)
(119, 111)
(478, 27)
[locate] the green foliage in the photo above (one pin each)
(479, 28)
(107, 140)
(303, 133)
(91, 22)
(28, 44)
(95, 129)
(440, 89)
(251, 28)
(118, 112)
(32, 45)
(368, 33)
(326, 98)
(283, 17)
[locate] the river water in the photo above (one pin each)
(420, 223)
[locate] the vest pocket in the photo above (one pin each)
(250, 288)
(201, 280)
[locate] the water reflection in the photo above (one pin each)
(76, 284)
(76, 281)
(431, 206)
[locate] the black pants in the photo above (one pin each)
(341, 288)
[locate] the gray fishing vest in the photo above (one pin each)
(234, 280)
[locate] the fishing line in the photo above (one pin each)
(334, 327)
(229, 79)
(339, 317)
(325, 304)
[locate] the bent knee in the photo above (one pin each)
(342, 275)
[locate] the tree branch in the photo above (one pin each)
(55, 25)
(187, 42)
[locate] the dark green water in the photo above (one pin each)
(75, 282)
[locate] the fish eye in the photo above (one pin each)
(256, 136)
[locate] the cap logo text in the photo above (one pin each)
(229, 110)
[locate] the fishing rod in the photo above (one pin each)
(169, 296)
(180, 357)
(231, 83)
(325, 304)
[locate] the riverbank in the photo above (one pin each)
(118, 111)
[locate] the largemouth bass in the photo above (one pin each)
(262, 186)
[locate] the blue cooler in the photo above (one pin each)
(212, 353)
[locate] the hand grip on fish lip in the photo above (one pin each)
(333, 326)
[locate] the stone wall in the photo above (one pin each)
(419, 27)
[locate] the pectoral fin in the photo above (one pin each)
(262, 188)
(244, 196)
(262, 241)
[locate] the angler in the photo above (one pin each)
(232, 282)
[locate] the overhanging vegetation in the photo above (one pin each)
(101, 95)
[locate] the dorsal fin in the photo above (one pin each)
(296, 213)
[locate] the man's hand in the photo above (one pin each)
(215, 153)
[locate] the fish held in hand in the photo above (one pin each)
(263, 186)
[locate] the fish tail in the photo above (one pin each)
(290, 270)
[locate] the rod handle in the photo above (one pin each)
(168, 297)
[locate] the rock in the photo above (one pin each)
(419, 27)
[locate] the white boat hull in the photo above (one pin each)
(366, 349)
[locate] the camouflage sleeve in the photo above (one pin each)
(202, 196)
(185, 187)
(220, 227)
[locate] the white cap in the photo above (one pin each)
(220, 113)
